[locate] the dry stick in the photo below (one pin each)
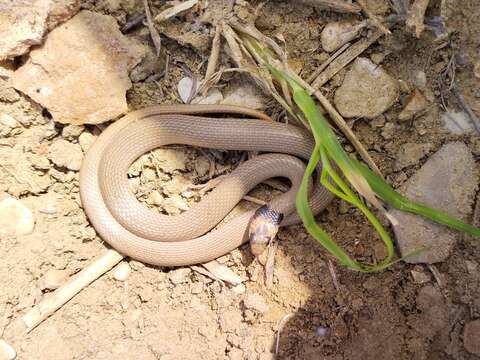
(335, 5)
(54, 301)
(324, 65)
(373, 18)
(345, 58)
(157, 41)
(416, 16)
(212, 62)
(175, 10)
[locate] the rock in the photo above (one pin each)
(420, 79)
(174, 204)
(184, 88)
(471, 337)
(457, 122)
(65, 154)
(388, 131)
(39, 162)
(9, 121)
(245, 94)
(52, 279)
(71, 132)
(15, 218)
(256, 303)
(170, 160)
(7, 93)
(24, 23)
(179, 276)
(447, 182)
(86, 140)
(367, 91)
(150, 65)
(7, 352)
(94, 74)
(420, 277)
(414, 104)
(410, 153)
(122, 271)
(336, 34)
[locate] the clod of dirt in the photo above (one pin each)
(72, 132)
(336, 34)
(447, 181)
(86, 140)
(434, 315)
(245, 94)
(24, 23)
(52, 279)
(15, 218)
(7, 352)
(471, 337)
(122, 271)
(414, 104)
(256, 303)
(367, 90)
(65, 154)
(94, 74)
(420, 277)
(410, 153)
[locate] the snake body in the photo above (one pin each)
(144, 235)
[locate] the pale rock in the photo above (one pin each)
(420, 79)
(94, 74)
(24, 23)
(457, 122)
(71, 132)
(447, 182)
(86, 139)
(336, 34)
(420, 277)
(170, 160)
(7, 352)
(52, 279)
(409, 154)
(256, 303)
(471, 337)
(179, 276)
(245, 94)
(367, 91)
(65, 154)
(15, 218)
(213, 96)
(414, 104)
(177, 185)
(122, 271)
(156, 198)
(185, 88)
(39, 162)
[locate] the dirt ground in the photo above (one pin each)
(160, 313)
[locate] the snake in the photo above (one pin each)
(207, 230)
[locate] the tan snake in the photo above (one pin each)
(185, 239)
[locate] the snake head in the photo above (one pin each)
(263, 229)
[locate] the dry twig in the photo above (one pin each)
(373, 18)
(157, 41)
(54, 301)
(334, 5)
(175, 10)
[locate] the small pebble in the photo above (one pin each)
(52, 279)
(414, 104)
(122, 271)
(184, 88)
(71, 132)
(7, 352)
(15, 218)
(179, 276)
(322, 331)
(336, 34)
(420, 79)
(420, 277)
(86, 140)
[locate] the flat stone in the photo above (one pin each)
(15, 218)
(457, 122)
(94, 74)
(65, 154)
(367, 90)
(447, 182)
(410, 153)
(471, 337)
(24, 23)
